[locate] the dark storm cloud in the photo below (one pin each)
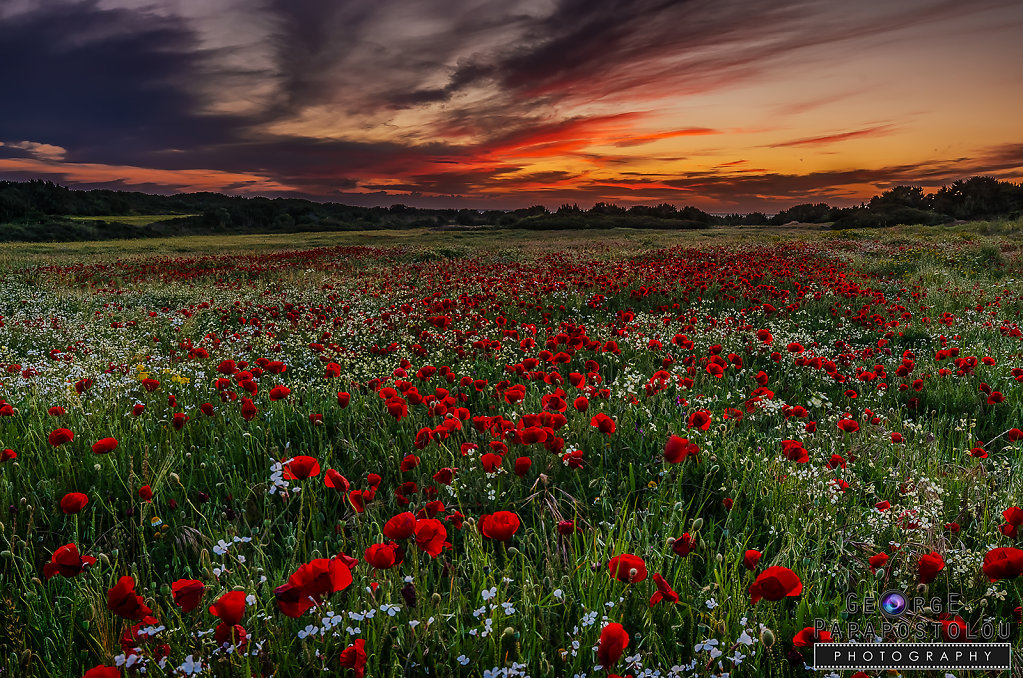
(104, 83)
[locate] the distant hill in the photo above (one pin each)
(44, 211)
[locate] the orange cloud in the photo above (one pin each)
(879, 130)
(185, 181)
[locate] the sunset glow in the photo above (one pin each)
(728, 106)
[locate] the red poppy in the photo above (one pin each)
(179, 420)
(232, 635)
(613, 641)
(357, 499)
(775, 583)
(336, 481)
(678, 449)
(188, 593)
(663, 592)
(929, 566)
(684, 545)
(603, 423)
(499, 526)
(249, 409)
(60, 436)
(751, 558)
(848, 425)
(566, 527)
(310, 584)
(343, 399)
(279, 393)
(67, 562)
(384, 556)
(276, 367)
(952, 628)
(836, 461)
(808, 637)
(354, 657)
(401, 526)
(794, 451)
(877, 561)
(230, 608)
(431, 536)
(8, 454)
(522, 465)
(301, 467)
(123, 601)
(102, 672)
(627, 568)
(104, 445)
(699, 419)
(1003, 563)
(73, 502)
(146, 493)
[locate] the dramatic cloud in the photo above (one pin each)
(838, 136)
(725, 104)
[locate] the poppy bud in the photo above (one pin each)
(697, 524)
(767, 637)
(408, 593)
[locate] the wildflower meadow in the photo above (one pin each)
(661, 454)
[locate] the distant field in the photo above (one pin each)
(452, 243)
(134, 220)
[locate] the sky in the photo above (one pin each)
(726, 105)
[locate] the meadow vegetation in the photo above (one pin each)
(503, 453)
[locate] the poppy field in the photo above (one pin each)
(632, 455)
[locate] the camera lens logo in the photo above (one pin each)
(893, 604)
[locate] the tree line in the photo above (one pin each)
(42, 210)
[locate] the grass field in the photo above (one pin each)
(506, 453)
(134, 219)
